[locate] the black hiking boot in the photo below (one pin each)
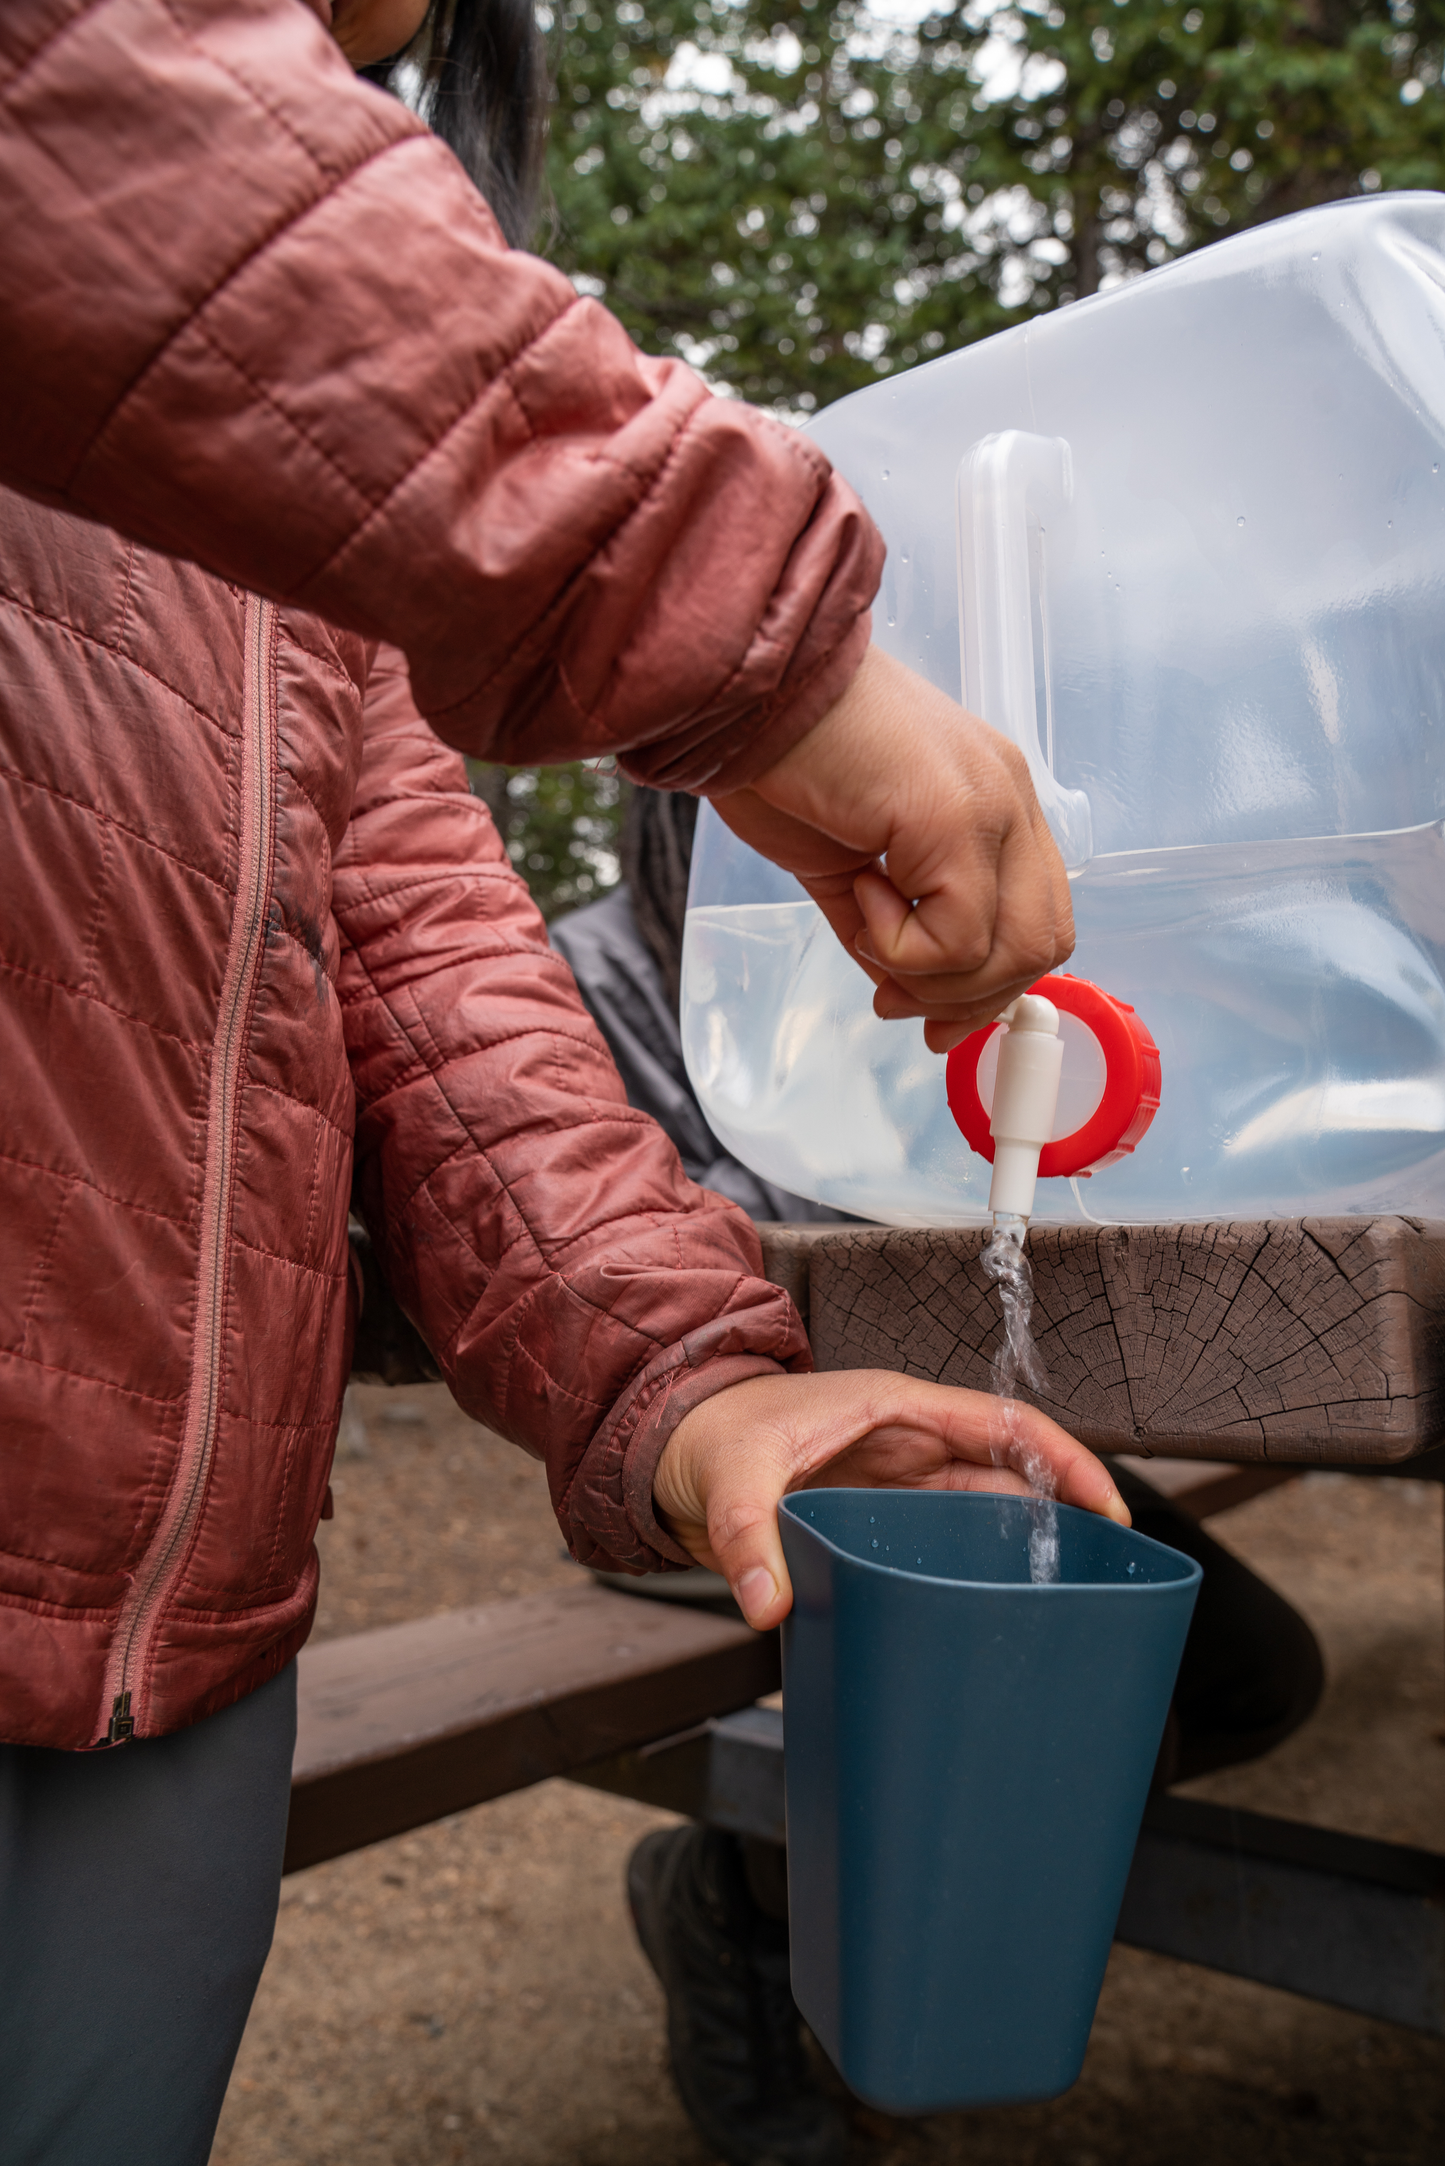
(733, 2029)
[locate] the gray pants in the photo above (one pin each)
(138, 1892)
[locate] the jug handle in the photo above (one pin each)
(1006, 483)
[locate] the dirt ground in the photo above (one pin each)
(473, 1992)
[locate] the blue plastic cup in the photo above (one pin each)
(967, 1761)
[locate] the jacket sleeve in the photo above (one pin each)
(579, 1293)
(252, 314)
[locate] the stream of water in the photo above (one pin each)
(1006, 1263)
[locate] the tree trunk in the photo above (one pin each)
(489, 782)
(1086, 245)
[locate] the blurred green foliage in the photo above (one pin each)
(560, 827)
(765, 190)
(802, 198)
(1137, 131)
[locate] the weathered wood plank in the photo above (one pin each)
(406, 1724)
(787, 1254)
(1306, 1340)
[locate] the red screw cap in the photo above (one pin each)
(1131, 1082)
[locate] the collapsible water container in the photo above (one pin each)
(968, 1758)
(1185, 544)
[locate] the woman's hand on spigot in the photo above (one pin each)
(730, 1461)
(973, 906)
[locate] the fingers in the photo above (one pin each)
(969, 948)
(731, 1460)
(824, 868)
(976, 1430)
(744, 1540)
(1051, 1461)
(995, 921)
(717, 1487)
(841, 910)
(959, 897)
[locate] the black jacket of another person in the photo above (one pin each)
(620, 981)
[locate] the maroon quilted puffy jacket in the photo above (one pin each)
(252, 317)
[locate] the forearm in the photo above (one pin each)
(585, 1323)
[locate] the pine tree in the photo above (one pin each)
(559, 825)
(783, 229)
(1136, 130)
(800, 200)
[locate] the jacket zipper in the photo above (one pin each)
(166, 1556)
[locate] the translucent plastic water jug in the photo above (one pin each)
(1185, 544)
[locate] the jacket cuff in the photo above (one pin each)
(776, 728)
(657, 1422)
(607, 1515)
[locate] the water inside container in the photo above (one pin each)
(1296, 992)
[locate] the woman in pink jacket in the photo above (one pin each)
(306, 476)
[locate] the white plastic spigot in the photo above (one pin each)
(1025, 1098)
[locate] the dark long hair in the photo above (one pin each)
(482, 66)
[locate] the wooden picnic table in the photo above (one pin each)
(1289, 1341)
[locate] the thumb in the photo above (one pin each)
(742, 1528)
(717, 1487)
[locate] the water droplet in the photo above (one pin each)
(885, 473)
(875, 1541)
(1436, 467)
(904, 558)
(1132, 1570)
(1240, 520)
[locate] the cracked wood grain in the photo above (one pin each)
(1289, 1340)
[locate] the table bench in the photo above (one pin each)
(403, 1725)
